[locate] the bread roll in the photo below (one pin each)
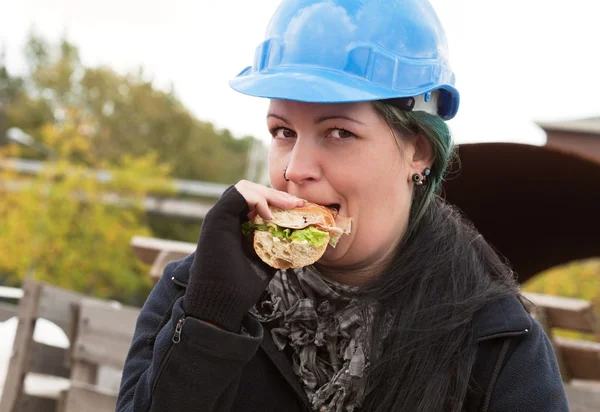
(285, 253)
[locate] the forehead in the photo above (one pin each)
(290, 109)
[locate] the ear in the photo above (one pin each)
(422, 156)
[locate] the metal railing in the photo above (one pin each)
(167, 206)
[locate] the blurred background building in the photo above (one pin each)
(580, 136)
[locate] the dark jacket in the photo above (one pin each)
(178, 363)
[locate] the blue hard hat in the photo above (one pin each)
(334, 51)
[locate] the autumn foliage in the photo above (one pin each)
(71, 224)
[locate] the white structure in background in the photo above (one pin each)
(45, 332)
(257, 167)
(10, 293)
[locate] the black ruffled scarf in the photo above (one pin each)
(328, 332)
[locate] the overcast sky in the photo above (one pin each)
(516, 61)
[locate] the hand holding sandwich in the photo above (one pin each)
(225, 281)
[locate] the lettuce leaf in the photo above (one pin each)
(250, 227)
(311, 234)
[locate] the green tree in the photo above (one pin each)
(125, 115)
(130, 115)
(10, 89)
(69, 228)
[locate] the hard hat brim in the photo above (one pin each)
(316, 85)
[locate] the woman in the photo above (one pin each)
(413, 311)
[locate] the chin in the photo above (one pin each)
(333, 255)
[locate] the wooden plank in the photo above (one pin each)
(566, 313)
(582, 400)
(7, 311)
(84, 372)
(82, 397)
(36, 404)
(582, 358)
(15, 376)
(147, 248)
(48, 360)
(586, 384)
(540, 313)
(162, 260)
(55, 305)
(61, 402)
(72, 330)
(104, 333)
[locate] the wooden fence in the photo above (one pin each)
(100, 334)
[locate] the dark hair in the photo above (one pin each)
(442, 273)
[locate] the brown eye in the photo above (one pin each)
(283, 133)
(341, 134)
(289, 133)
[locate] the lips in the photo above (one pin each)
(335, 208)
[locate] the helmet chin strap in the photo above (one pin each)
(427, 103)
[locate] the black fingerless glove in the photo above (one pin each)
(226, 278)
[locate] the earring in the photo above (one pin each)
(284, 176)
(416, 178)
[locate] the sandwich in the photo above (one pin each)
(296, 237)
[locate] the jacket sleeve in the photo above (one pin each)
(530, 380)
(178, 363)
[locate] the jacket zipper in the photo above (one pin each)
(176, 336)
(178, 328)
(175, 339)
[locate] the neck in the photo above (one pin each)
(360, 273)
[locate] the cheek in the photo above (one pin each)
(381, 201)
(380, 178)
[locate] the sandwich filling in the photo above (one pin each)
(310, 234)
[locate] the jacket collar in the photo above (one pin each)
(180, 270)
(503, 317)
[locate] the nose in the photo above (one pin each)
(304, 165)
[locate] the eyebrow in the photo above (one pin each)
(318, 119)
(324, 118)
